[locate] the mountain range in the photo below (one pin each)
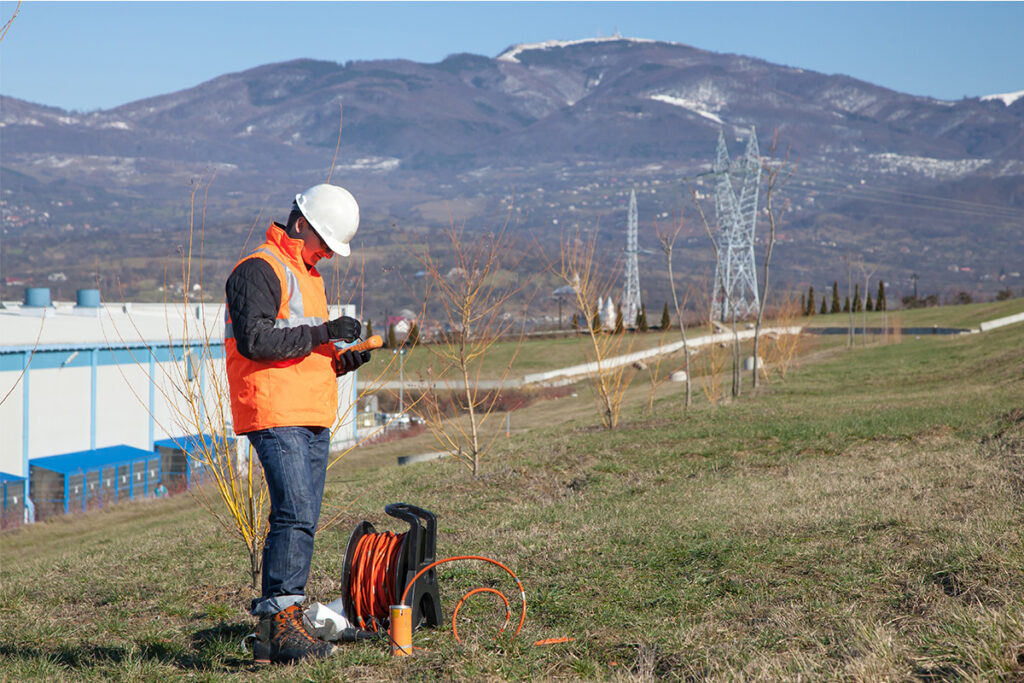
(560, 130)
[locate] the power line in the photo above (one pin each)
(915, 198)
(876, 198)
(897, 197)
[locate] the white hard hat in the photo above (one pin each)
(333, 213)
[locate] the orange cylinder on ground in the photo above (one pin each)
(401, 630)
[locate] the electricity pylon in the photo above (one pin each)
(631, 291)
(735, 272)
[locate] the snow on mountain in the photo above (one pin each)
(512, 54)
(689, 105)
(1007, 98)
(936, 169)
(849, 97)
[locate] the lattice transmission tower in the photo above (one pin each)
(735, 272)
(631, 290)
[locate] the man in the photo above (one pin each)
(282, 366)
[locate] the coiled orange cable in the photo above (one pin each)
(372, 581)
(372, 584)
(455, 612)
(522, 593)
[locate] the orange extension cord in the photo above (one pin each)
(372, 582)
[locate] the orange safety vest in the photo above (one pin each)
(299, 392)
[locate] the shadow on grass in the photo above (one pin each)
(212, 649)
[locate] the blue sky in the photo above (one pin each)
(94, 55)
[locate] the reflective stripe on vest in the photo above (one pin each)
(295, 305)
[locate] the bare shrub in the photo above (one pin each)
(474, 302)
(579, 269)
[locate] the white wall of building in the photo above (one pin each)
(10, 424)
(59, 407)
(60, 396)
(121, 415)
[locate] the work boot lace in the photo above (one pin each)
(286, 639)
(290, 629)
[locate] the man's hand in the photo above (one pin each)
(347, 361)
(344, 328)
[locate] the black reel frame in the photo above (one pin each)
(419, 549)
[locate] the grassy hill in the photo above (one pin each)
(966, 316)
(859, 520)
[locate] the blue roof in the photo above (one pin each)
(10, 477)
(70, 463)
(192, 442)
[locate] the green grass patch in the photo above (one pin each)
(966, 315)
(426, 361)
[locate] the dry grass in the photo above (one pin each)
(857, 521)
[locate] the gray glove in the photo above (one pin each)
(344, 328)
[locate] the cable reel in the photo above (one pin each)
(389, 581)
(379, 568)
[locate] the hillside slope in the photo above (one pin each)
(859, 520)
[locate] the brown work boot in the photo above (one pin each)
(283, 638)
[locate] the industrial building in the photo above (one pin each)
(93, 391)
(89, 479)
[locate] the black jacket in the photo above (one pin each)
(253, 299)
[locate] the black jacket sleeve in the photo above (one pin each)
(253, 299)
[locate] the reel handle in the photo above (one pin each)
(419, 549)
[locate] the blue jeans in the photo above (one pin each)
(294, 463)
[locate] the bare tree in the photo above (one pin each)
(474, 300)
(201, 407)
(783, 347)
(579, 269)
(736, 383)
(712, 361)
(654, 374)
(848, 262)
(777, 173)
(654, 367)
(667, 240)
(867, 271)
(7, 26)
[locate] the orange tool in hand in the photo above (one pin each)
(374, 342)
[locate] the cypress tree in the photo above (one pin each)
(880, 300)
(869, 305)
(618, 319)
(835, 296)
(413, 337)
(810, 300)
(641, 318)
(595, 322)
(846, 305)
(575, 322)
(369, 329)
(824, 307)
(666, 321)
(392, 339)
(857, 305)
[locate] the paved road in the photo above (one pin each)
(912, 331)
(449, 385)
